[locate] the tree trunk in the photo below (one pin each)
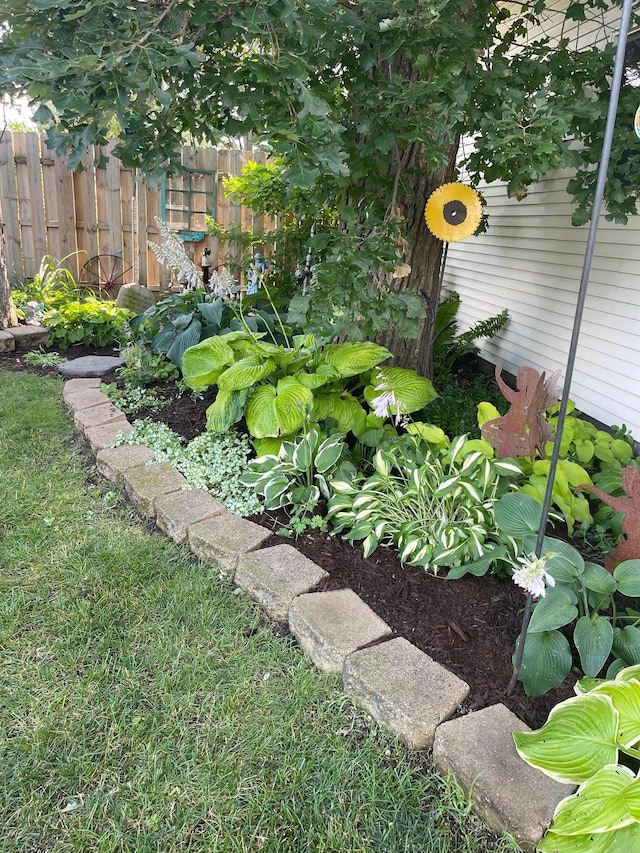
(424, 256)
(8, 316)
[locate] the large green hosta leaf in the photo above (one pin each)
(411, 390)
(517, 514)
(593, 640)
(342, 407)
(351, 359)
(553, 611)
(246, 372)
(546, 662)
(203, 363)
(578, 739)
(277, 411)
(226, 410)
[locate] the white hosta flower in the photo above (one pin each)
(385, 405)
(172, 254)
(533, 577)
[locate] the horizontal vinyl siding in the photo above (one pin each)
(530, 261)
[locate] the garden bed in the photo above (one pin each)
(469, 625)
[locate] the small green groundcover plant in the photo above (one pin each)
(592, 740)
(211, 462)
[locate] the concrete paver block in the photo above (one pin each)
(97, 416)
(145, 484)
(28, 337)
(86, 399)
(114, 462)
(509, 794)
(177, 511)
(7, 342)
(101, 437)
(74, 386)
(275, 576)
(221, 540)
(331, 625)
(403, 689)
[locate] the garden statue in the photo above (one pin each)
(524, 430)
(205, 263)
(256, 272)
(628, 547)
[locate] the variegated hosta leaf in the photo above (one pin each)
(605, 802)
(615, 841)
(578, 739)
(625, 696)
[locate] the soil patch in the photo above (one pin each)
(469, 626)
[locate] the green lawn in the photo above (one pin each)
(146, 707)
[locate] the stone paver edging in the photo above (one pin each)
(401, 687)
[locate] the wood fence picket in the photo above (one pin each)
(108, 209)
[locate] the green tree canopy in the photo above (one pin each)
(365, 101)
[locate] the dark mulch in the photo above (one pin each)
(469, 625)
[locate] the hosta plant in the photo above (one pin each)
(433, 501)
(281, 389)
(569, 474)
(583, 596)
(582, 743)
(298, 477)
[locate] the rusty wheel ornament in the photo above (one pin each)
(106, 274)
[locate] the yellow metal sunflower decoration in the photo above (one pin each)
(453, 212)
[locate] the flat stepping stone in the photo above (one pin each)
(222, 540)
(331, 625)
(114, 462)
(275, 576)
(98, 416)
(90, 365)
(101, 437)
(145, 484)
(176, 512)
(509, 794)
(404, 690)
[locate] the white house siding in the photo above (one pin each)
(530, 261)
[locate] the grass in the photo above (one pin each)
(148, 708)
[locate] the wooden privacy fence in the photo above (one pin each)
(110, 210)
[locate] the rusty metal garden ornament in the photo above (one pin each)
(627, 548)
(524, 430)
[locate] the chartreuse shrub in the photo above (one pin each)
(280, 390)
(430, 498)
(592, 740)
(577, 621)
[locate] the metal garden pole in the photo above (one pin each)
(582, 293)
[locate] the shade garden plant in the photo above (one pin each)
(343, 441)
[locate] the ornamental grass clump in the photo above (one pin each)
(434, 504)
